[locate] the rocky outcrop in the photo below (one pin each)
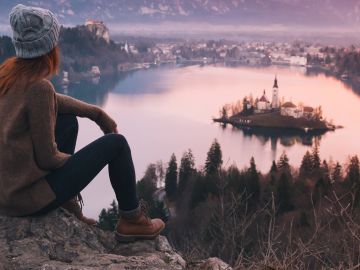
(59, 241)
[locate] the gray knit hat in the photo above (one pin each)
(35, 31)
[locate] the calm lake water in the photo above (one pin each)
(168, 110)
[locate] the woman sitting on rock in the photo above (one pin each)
(39, 170)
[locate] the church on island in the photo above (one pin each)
(275, 113)
(263, 105)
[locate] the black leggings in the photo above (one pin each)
(82, 167)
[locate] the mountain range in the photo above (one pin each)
(254, 12)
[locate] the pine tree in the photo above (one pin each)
(283, 193)
(235, 179)
(325, 170)
(147, 185)
(322, 187)
(269, 190)
(186, 170)
(108, 217)
(224, 112)
(353, 171)
(253, 183)
(150, 174)
(337, 173)
(214, 159)
(353, 178)
(171, 178)
(146, 189)
(315, 159)
(199, 190)
(274, 167)
(306, 165)
(283, 163)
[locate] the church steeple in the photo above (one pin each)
(276, 82)
(275, 104)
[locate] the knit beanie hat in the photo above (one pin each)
(35, 31)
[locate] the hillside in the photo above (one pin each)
(80, 50)
(59, 241)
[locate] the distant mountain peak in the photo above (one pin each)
(314, 12)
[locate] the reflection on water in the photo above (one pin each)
(285, 137)
(94, 91)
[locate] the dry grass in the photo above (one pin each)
(258, 240)
(334, 241)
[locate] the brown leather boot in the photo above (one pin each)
(141, 227)
(74, 207)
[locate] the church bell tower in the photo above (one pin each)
(275, 104)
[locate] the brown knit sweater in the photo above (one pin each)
(27, 143)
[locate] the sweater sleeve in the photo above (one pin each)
(41, 108)
(79, 108)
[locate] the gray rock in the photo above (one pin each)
(59, 241)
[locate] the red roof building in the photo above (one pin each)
(264, 98)
(288, 104)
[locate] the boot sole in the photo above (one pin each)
(124, 238)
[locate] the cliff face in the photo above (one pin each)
(59, 241)
(99, 29)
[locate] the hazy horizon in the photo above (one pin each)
(204, 30)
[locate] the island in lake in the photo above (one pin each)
(261, 113)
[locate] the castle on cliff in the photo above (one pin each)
(99, 29)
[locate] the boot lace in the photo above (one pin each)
(144, 206)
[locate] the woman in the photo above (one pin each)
(39, 170)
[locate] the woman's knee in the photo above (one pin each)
(117, 140)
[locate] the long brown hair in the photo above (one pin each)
(28, 70)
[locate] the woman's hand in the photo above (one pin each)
(106, 123)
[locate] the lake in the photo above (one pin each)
(169, 109)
